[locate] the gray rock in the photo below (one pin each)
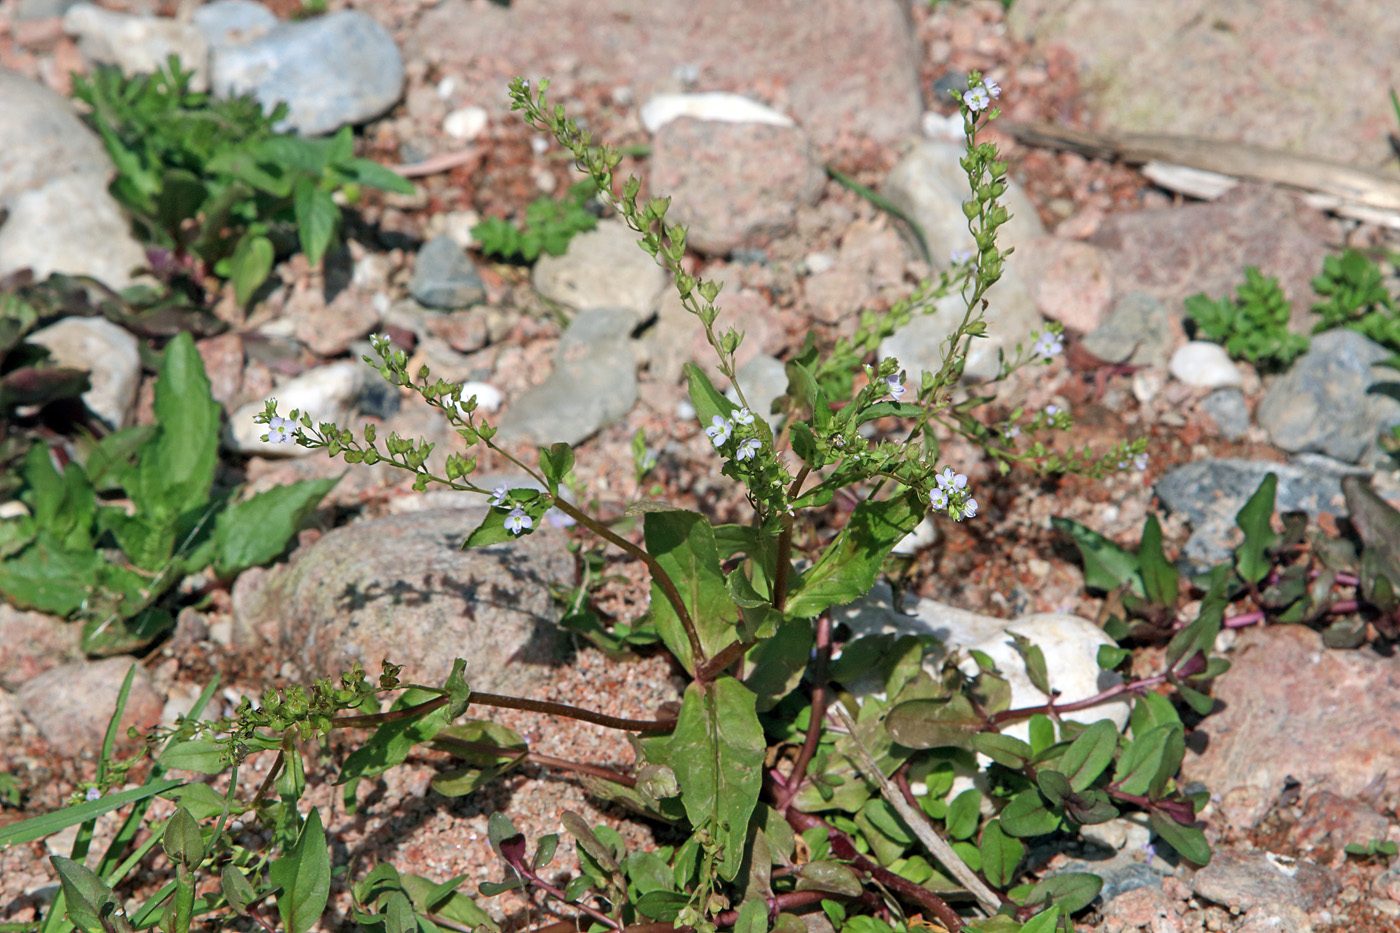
(332, 71)
(594, 382)
(137, 44)
(734, 185)
(1136, 330)
(108, 353)
(1333, 400)
(1119, 876)
(444, 276)
(1227, 407)
(233, 22)
(764, 379)
(1250, 879)
(1211, 492)
(53, 181)
(327, 393)
(402, 589)
(602, 268)
(41, 9)
(1070, 645)
(1010, 319)
(929, 185)
(71, 704)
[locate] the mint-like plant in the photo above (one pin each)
(1354, 295)
(548, 227)
(106, 539)
(212, 184)
(1251, 326)
(791, 793)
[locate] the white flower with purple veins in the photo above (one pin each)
(743, 416)
(938, 499)
(1052, 410)
(895, 384)
(969, 509)
(992, 87)
(1140, 461)
(747, 449)
(1048, 344)
(500, 497)
(279, 431)
(719, 430)
(517, 521)
(949, 481)
(92, 794)
(977, 98)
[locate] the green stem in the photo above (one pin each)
(649, 726)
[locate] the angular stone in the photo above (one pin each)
(110, 356)
(444, 276)
(602, 268)
(1136, 330)
(71, 704)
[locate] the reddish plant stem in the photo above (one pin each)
(843, 848)
(1050, 707)
(651, 726)
(816, 718)
(548, 761)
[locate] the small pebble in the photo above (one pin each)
(1204, 364)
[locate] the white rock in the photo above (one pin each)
(923, 536)
(465, 123)
(71, 225)
(817, 263)
(488, 397)
(715, 105)
(1205, 364)
(937, 126)
(602, 268)
(109, 354)
(327, 393)
(138, 44)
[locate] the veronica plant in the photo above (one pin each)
(793, 793)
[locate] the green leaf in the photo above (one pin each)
(205, 756)
(1189, 841)
(1160, 578)
(1027, 815)
(964, 813)
(1003, 749)
(775, 665)
(1000, 855)
(1069, 891)
(445, 901)
(481, 767)
(555, 463)
(254, 532)
(934, 723)
(829, 875)
(249, 266)
(706, 399)
(393, 740)
(49, 823)
(683, 544)
(753, 918)
(1106, 565)
(1199, 636)
(492, 529)
(719, 739)
(1251, 557)
(182, 196)
(1109, 656)
(49, 577)
(1089, 754)
(90, 902)
(317, 218)
(1042, 732)
(1140, 761)
(63, 505)
(848, 567)
(1034, 660)
(304, 877)
(365, 172)
(237, 891)
(1043, 922)
(182, 839)
(175, 468)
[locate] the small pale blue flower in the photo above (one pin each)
(718, 430)
(517, 521)
(747, 449)
(743, 416)
(500, 497)
(279, 431)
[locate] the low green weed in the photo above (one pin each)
(548, 227)
(1355, 296)
(1251, 326)
(107, 538)
(788, 793)
(211, 183)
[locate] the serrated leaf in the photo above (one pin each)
(719, 738)
(304, 876)
(1089, 754)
